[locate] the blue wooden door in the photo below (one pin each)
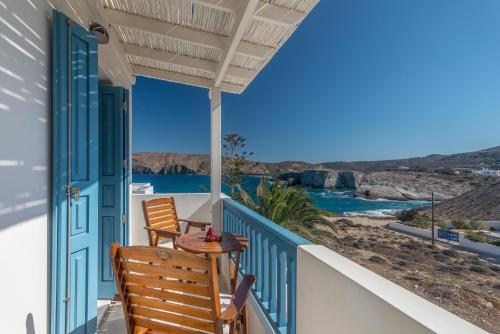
(113, 170)
(75, 178)
(126, 176)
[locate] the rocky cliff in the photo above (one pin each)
(170, 163)
(411, 186)
(323, 178)
(392, 185)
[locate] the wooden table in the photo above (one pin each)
(195, 243)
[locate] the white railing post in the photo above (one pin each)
(215, 156)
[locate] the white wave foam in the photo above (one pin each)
(373, 213)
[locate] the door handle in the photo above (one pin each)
(73, 192)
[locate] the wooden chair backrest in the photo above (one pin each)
(160, 213)
(167, 290)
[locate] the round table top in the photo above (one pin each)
(195, 243)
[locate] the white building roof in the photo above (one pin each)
(206, 43)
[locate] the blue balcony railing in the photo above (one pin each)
(272, 258)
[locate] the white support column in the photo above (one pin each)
(215, 156)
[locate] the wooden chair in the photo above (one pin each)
(162, 221)
(157, 298)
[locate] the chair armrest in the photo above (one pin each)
(163, 233)
(238, 300)
(200, 225)
(195, 224)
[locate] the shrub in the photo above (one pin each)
(422, 221)
(407, 215)
(450, 252)
(405, 256)
(477, 225)
(377, 259)
(475, 236)
(440, 223)
(440, 257)
(495, 268)
(460, 224)
(479, 269)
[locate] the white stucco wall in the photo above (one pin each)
(25, 81)
(336, 295)
(25, 157)
(189, 206)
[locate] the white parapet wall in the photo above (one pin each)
(189, 206)
(336, 295)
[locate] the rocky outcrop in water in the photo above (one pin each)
(324, 178)
(317, 178)
(142, 170)
(348, 179)
(391, 185)
(175, 169)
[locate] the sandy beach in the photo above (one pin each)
(366, 221)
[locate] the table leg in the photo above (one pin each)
(233, 276)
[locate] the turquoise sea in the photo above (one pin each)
(339, 201)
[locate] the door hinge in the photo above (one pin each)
(124, 218)
(124, 105)
(125, 164)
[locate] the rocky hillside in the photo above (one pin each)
(481, 203)
(170, 163)
(178, 163)
(472, 160)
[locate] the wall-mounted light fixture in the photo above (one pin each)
(100, 33)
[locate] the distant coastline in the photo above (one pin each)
(339, 201)
(448, 177)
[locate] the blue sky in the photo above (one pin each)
(359, 80)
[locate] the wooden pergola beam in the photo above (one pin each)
(264, 11)
(184, 78)
(185, 61)
(178, 32)
(243, 17)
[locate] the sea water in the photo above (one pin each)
(335, 200)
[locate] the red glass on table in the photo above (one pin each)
(211, 236)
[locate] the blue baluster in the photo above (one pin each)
(282, 319)
(291, 278)
(258, 269)
(248, 254)
(265, 272)
(273, 278)
(253, 247)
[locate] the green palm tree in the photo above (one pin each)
(288, 206)
(292, 208)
